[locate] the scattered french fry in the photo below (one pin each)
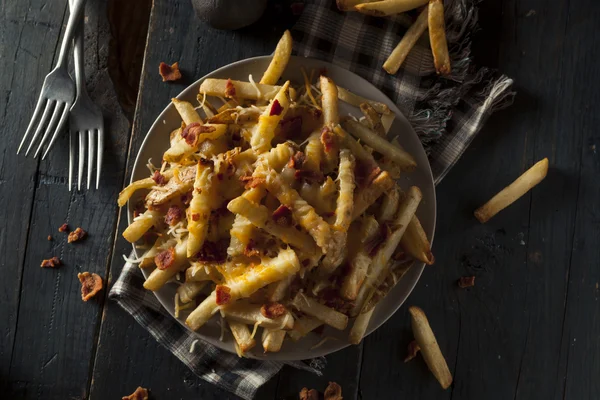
(389, 7)
(429, 347)
(513, 192)
(437, 37)
(412, 35)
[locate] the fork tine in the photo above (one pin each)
(36, 113)
(81, 158)
(59, 128)
(50, 127)
(49, 107)
(91, 143)
(71, 159)
(100, 154)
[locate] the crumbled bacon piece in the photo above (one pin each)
(189, 133)
(76, 235)
(195, 217)
(159, 178)
(173, 216)
(213, 252)
(49, 237)
(169, 72)
(276, 108)
(283, 215)
(252, 182)
(413, 349)
(311, 394)
(229, 89)
(327, 139)
(291, 128)
(223, 294)
(63, 228)
(139, 394)
(90, 284)
(333, 392)
(297, 8)
(331, 298)
(51, 263)
(272, 310)
(466, 281)
(251, 250)
(165, 258)
(297, 160)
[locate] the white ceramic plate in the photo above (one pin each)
(157, 141)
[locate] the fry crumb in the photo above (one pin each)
(333, 392)
(76, 235)
(63, 228)
(49, 237)
(51, 263)
(169, 72)
(90, 284)
(306, 394)
(139, 394)
(466, 281)
(413, 349)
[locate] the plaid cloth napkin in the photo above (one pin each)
(446, 112)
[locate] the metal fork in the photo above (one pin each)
(57, 92)
(85, 117)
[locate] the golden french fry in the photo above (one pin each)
(353, 99)
(140, 225)
(189, 290)
(349, 5)
(329, 101)
(513, 192)
(389, 7)
(437, 37)
(272, 340)
(303, 326)
(361, 323)
(159, 277)
(367, 196)
(249, 314)
(315, 309)
(373, 118)
(412, 35)
(415, 242)
(242, 335)
(264, 131)
(242, 90)
(282, 54)
(429, 347)
(186, 111)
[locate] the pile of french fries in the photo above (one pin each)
(273, 211)
(431, 16)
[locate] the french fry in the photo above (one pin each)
(247, 313)
(429, 347)
(353, 99)
(260, 217)
(186, 111)
(277, 291)
(243, 90)
(389, 7)
(359, 152)
(361, 323)
(159, 277)
(303, 326)
(242, 230)
(408, 41)
(269, 271)
(281, 57)
(146, 183)
(349, 5)
(329, 102)
(315, 309)
(513, 192)
(264, 131)
(272, 340)
(189, 290)
(368, 195)
(199, 272)
(379, 144)
(200, 207)
(313, 152)
(389, 205)
(360, 261)
(414, 242)
(183, 147)
(148, 256)
(182, 182)
(319, 197)
(437, 37)
(373, 118)
(140, 225)
(406, 211)
(241, 335)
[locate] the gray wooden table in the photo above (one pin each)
(530, 328)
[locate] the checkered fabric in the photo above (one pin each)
(446, 112)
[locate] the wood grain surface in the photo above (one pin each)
(528, 329)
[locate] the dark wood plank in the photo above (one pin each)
(125, 349)
(28, 34)
(56, 332)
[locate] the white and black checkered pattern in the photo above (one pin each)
(447, 113)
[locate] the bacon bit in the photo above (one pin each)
(49, 237)
(229, 89)
(139, 394)
(90, 285)
(252, 182)
(173, 216)
(297, 8)
(76, 235)
(159, 178)
(333, 392)
(223, 294)
(311, 176)
(297, 160)
(311, 394)
(276, 108)
(189, 133)
(413, 349)
(51, 263)
(283, 215)
(466, 281)
(63, 228)
(165, 258)
(186, 198)
(195, 217)
(169, 72)
(328, 139)
(213, 252)
(291, 128)
(272, 310)
(251, 250)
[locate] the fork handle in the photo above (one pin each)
(74, 18)
(78, 57)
